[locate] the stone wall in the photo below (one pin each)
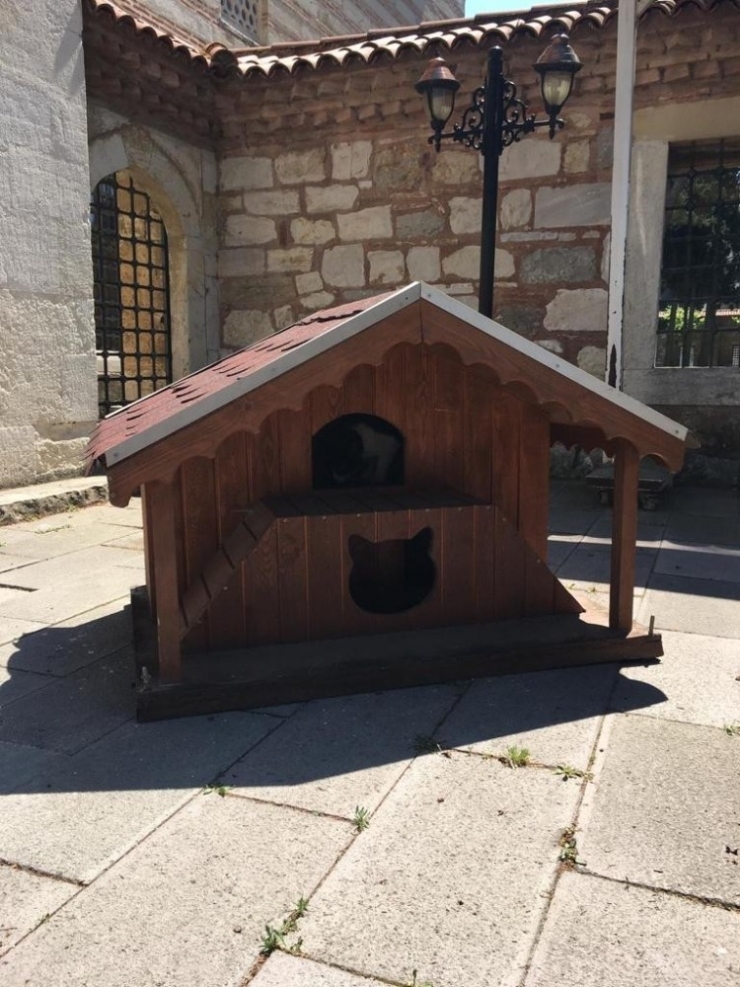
(359, 203)
(48, 399)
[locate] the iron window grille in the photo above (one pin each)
(131, 291)
(699, 313)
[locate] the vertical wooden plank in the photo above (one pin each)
(534, 478)
(624, 536)
(484, 562)
(359, 391)
(506, 413)
(262, 610)
(292, 578)
(448, 422)
(164, 536)
(263, 455)
(539, 585)
(146, 516)
(509, 573)
(200, 526)
(227, 619)
(477, 437)
(390, 388)
(324, 405)
(354, 618)
(294, 429)
(458, 569)
(326, 585)
(419, 435)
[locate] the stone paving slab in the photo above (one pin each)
(664, 808)
(697, 606)
(59, 535)
(698, 675)
(11, 629)
(75, 819)
(25, 900)
(19, 763)
(590, 565)
(703, 530)
(69, 713)
(8, 563)
(72, 584)
(63, 648)
(704, 501)
(699, 561)
(555, 715)
(284, 970)
(451, 878)
(604, 934)
(17, 685)
(188, 906)
(337, 754)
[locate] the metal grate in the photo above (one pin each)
(131, 290)
(243, 17)
(699, 315)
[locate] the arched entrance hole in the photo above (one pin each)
(357, 450)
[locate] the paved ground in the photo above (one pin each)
(611, 860)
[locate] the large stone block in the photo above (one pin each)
(297, 167)
(344, 267)
(465, 214)
(573, 205)
(240, 262)
(305, 283)
(366, 224)
(576, 157)
(456, 166)
(249, 230)
(592, 359)
(560, 264)
(386, 266)
(412, 225)
(516, 208)
(243, 328)
(463, 263)
(579, 310)
(398, 168)
(292, 260)
(312, 231)
(531, 158)
(246, 173)
(275, 202)
(423, 264)
(350, 160)
(331, 198)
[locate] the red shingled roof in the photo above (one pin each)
(141, 416)
(432, 36)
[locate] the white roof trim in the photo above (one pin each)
(288, 361)
(356, 324)
(548, 359)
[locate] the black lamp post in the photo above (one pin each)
(495, 119)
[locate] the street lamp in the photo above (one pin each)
(495, 119)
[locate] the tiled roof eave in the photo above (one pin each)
(433, 36)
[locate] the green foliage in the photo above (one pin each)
(516, 757)
(732, 729)
(569, 848)
(274, 938)
(361, 819)
(566, 771)
(218, 789)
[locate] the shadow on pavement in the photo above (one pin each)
(77, 733)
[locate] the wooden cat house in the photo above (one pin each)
(360, 501)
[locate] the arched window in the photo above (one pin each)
(131, 287)
(357, 451)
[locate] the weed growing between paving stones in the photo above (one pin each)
(424, 744)
(569, 848)
(732, 729)
(516, 757)
(361, 819)
(419, 983)
(275, 938)
(566, 771)
(218, 789)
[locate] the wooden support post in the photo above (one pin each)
(161, 510)
(624, 537)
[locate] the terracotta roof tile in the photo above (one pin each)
(432, 36)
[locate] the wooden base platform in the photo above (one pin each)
(256, 677)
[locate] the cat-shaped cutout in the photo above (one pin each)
(391, 576)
